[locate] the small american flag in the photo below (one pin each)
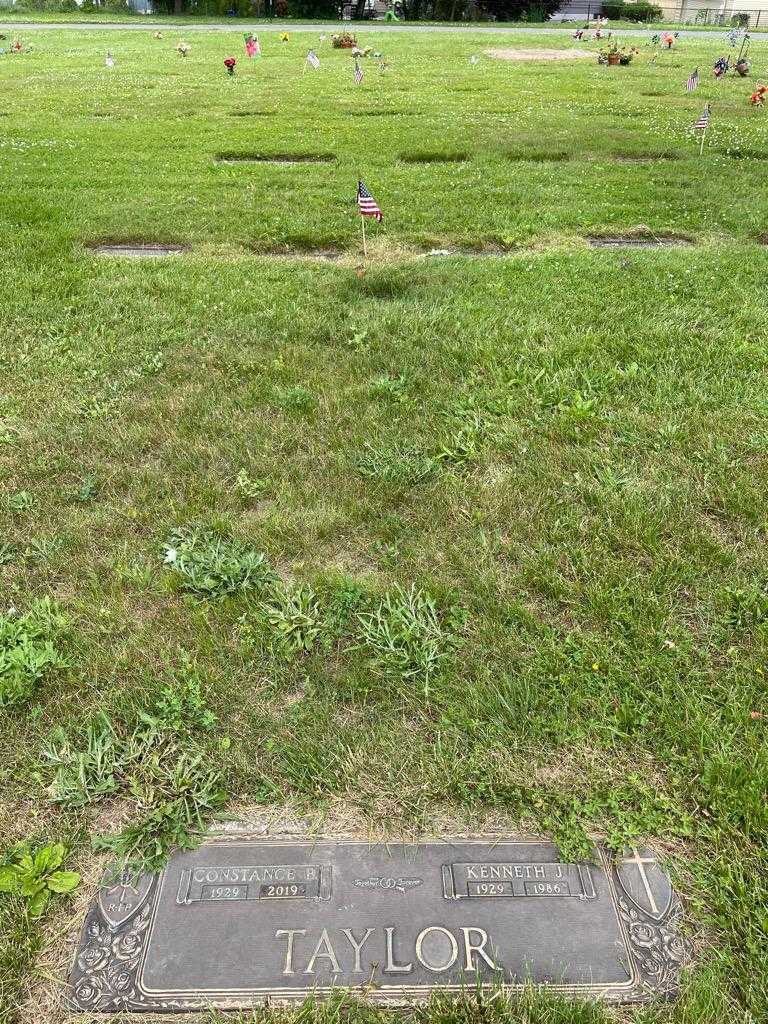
(313, 59)
(693, 81)
(703, 123)
(358, 74)
(366, 204)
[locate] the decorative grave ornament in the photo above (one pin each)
(109, 60)
(229, 64)
(183, 48)
(241, 922)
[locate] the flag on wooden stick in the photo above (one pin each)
(358, 74)
(367, 207)
(313, 59)
(703, 122)
(366, 204)
(701, 126)
(693, 81)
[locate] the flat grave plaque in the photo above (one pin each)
(237, 922)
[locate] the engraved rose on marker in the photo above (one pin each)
(127, 946)
(86, 993)
(643, 934)
(93, 957)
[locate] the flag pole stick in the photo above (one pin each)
(365, 247)
(701, 147)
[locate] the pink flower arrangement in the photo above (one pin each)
(229, 64)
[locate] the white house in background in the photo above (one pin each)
(691, 12)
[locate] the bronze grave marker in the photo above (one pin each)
(240, 921)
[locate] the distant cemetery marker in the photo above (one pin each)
(137, 250)
(635, 241)
(276, 158)
(239, 922)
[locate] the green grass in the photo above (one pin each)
(483, 536)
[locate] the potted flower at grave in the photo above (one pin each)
(742, 66)
(616, 55)
(343, 40)
(229, 64)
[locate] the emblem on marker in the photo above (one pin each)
(398, 884)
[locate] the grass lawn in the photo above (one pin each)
(459, 542)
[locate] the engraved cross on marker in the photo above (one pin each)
(124, 888)
(640, 862)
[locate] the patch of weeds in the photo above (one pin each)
(391, 389)
(137, 574)
(464, 444)
(9, 432)
(7, 553)
(209, 565)
(394, 463)
(746, 608)
(250, 487)
(408, 637)
(578, 407)
(178, 791)
(288, 623)
(358, 340)
(152, 758)
(295, 399)
(28, 650)
(387, 552)
(87, 489)
(43, 549)
(344, 600)
(182, 707)
(154, 362)
(21, 502)
(36, 876)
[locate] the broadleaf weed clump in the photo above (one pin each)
(209, 565)
(290, 621)
(28, 650)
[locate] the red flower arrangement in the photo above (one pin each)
(229, 64)
(757, 99)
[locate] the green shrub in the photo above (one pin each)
(617, 10)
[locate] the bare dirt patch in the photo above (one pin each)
(515, 54)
